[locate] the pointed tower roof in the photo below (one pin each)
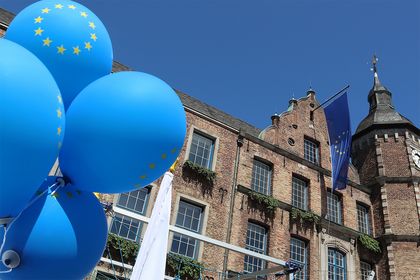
(381, 109)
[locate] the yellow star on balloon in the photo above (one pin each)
(76, 50)
(61, 49)
(47, 42)
(92, 25)
(83, 14)
(88, 46)
(163, 156)
(59, 113)
(38, 32)
(152, 166)
(173, 151)
(38, 19)
(72, 7)
(93, 36)
(60, 100)
(143, 177)
(59, 130)
(45, 11)
(59, 6)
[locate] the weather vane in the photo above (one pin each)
(374, 62)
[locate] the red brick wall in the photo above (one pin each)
(407, 260)
(395, 158)
(403, 217)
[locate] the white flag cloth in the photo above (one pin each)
(151, 260)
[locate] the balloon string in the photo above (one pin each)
(8, 227)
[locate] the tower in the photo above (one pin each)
(386, 153)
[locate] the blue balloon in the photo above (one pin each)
(69, 39)
(31, 126)
(123, 132)
(61, 236)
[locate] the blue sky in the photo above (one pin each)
(248, 58)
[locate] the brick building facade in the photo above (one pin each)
(287, 167)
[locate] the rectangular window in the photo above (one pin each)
(299, 254)
(256, 240)
(333, 208)
(299, 194)
(126, 227)
(365, 270)
(363, 219)
(189, 217)
(135, 201)
(261, 177)
(201, 150)
(336, 265)
(311, 151)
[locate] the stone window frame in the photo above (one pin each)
(145, 204)
(348, 248)
(263, 251)
(269, 183)
(205, 216)
(205, 133)
(125, 218)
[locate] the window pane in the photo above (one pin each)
(311, 152)
(189, 217)
(363, 219)
(336, 265)
(298, 253)
(333, 208)
(201, 150)
(126, 227)
(261, 177)
(299, 194)
(365, 269)
(256, 240)
(135, 201)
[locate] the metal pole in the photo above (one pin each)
(329, 99)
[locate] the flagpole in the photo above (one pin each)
(332, 97)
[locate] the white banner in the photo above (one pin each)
(151, 260)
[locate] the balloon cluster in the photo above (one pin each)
(111, 133)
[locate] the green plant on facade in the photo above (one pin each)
(202, 172)
(121, 246)
(304, 216)
(370, 243)
(269, 203)
(184, 267)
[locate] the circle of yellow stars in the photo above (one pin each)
(152, 166)
(61, 49)
(336, 147)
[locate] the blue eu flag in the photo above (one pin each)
(338, 121)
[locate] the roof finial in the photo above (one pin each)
(374, 61)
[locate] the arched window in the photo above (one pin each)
(336, 265)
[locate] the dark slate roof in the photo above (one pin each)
(217, 114)
(188, 101)
(6, 16)
(382, 112)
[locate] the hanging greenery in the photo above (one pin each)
(304, 216)
(269, 203)
(202, 172)
(121, 246)
(185, 267)
(370, 243)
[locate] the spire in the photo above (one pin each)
(378, 95)
(377, 86)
